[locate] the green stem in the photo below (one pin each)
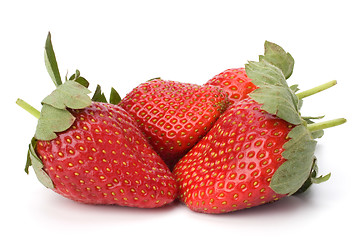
(315, 90)
(33, 111)
(326, 124)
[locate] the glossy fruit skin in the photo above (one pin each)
(173, 115)
(234, 82)
(232, 166)
(104, 159)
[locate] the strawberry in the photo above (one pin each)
(234, 82)
(93, 152)
(173, 115)
(260, 149)
(231, 167)
(104, 159)
(238, 85)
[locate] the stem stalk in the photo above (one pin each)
(33, 111)
(315, 90)
(326, 124)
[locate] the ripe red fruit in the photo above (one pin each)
(260, 149)
(234, 82)
(93, 152)
(104, 159)
(232, 166)
(173, 115)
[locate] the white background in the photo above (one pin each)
(123, 43)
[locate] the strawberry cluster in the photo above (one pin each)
(235, 142)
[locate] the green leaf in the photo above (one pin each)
(299, 152)
(276, 97)
(264, 73)
(28, 163)
(52, 120)
(114, 97)
(273, 93)
(75, 75)
(82, 81)
(300, 103)
(44, 178)
(309, 119)
(50, 62)
(317, 134)
(37, 165)
(307, 184)
(70, 94)
(321, 178)
(54, 116)
(294, 88)
(98, 95)
(77, 78)
(277, 56)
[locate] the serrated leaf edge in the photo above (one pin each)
(70, 94)
(74, 96)
(46, 128)
(299, 154)
(278, 57)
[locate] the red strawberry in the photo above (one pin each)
(93, 152)
(104, 159)
(259, 150)
(232, 166)
(234, 82)
(238, 85)
(174, 115)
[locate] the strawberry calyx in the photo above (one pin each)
(32, 158)
(53, 70)
(55, 116)
(73, 94)
(269, 74)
